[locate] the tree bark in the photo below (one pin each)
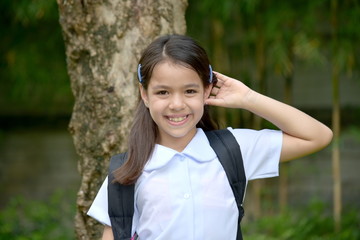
(104, 40)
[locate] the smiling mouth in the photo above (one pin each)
(178, 119)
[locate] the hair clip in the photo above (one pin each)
(211, 74)
(139, 74)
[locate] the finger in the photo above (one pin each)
(215, 91)
(221, 77)
(214, 102)
(219, 84)
(219, 80)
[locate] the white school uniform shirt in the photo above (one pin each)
(186, 195)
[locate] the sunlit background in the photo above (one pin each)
(285, 49)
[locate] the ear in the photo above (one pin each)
(144, 95)
(207, 91)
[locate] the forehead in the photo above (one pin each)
(172, 74)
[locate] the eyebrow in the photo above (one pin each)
(190, 85)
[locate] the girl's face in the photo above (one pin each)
(175, 98)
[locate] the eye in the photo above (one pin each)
(191, 91)
(162, 92)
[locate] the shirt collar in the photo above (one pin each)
(198, 150)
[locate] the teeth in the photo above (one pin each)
(177, 119)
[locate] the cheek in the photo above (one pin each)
(154, 114)
(199, 106)
(155, 106)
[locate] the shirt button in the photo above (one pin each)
(186, 195)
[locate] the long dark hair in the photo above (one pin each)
(178, 49)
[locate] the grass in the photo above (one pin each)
(310, 223)
(24, 219)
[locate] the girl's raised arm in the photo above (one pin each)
(302, 134)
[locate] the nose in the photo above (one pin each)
(177, 102)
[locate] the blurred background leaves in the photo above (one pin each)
(33, 73)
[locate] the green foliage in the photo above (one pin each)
(354, 131)
(302, 28)
(345, 20)
(32, 59)
(22, 219)
(310, 223)
(30, 12)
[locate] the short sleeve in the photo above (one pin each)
(260, 151)
(99, 207)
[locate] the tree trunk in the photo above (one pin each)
(104, 40)
(336, 121)
(336, 150)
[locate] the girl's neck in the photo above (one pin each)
(176, 143)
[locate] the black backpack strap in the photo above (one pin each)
(120, 201)
(228, 151)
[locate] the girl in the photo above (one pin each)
(181, 190)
